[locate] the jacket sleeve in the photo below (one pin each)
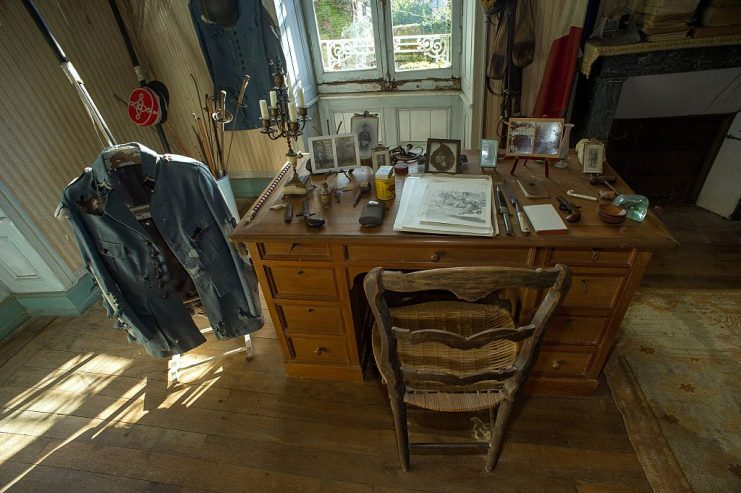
(113, 300)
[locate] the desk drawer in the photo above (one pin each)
(580, 331)
(594, 290)
(561, 363)
(439, 255)
(595, 256)
(319, 349)
(302, 282)
(295, 251)
(310, 319)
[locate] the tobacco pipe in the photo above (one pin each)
(573, 209)
(605, 180)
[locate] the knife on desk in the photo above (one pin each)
(504, 211)
(521, 216)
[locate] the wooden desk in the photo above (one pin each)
(312, 278)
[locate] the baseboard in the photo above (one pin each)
(249, 187)
(12, 315)
(71, 303)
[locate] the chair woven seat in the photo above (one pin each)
(465, 319)
(463, 355)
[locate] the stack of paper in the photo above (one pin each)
(450, 205)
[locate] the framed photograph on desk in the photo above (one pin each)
(534, 137)
(322, 154)
(443, 156)
(365, 126)
(332, 153)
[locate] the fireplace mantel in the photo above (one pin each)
(605, 68)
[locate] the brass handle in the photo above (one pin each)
(435, 257)
(556, 364)
(300, 272)
(584, 286)
(595, 255)
(569, 323)
(309, 310)
(318, 351)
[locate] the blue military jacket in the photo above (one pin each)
(189, 210)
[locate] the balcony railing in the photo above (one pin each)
(424, 51)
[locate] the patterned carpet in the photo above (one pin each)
(676, 377)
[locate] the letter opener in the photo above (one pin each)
(521, 216)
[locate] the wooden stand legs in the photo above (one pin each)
(497, 433)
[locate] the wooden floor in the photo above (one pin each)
(82, 410)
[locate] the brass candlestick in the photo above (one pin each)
(279, 126)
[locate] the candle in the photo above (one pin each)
(300, 97)
(264, 110)
(292, 115)
(273, 99)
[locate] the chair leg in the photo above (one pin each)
(402, 432)
(497, 433)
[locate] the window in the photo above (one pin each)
(383, 44)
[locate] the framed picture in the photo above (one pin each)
(380, 158)
(347, 151)
(443, 156)
(534, 137)
(365, 126)
(593, 157)
(489, 148)
(334, 152)
(322, 154)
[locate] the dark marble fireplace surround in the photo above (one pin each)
(597, 97)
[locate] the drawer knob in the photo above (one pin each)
(300, 273)
(318, 351)
(569, 323)
(556, 364)
(435, 257)
(309, 310)
(595, 255)
(584, 286)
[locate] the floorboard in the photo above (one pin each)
(80, 406)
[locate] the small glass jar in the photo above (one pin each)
(636, 205)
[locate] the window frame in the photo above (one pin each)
(384, 77)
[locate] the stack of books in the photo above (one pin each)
(448, 205)
(665, 19)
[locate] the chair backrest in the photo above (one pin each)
(469, 284)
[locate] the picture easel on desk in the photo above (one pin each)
(529, 138)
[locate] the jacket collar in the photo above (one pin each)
(148, 162)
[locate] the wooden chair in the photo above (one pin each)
(458, 356)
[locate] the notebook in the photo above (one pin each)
(545, 220)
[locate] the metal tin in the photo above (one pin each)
(385, 183)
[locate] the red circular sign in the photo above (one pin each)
(144, 107)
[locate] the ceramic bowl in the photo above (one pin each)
(611, 214)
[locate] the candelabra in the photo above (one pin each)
(285, 119)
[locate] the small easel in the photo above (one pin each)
(517, 160)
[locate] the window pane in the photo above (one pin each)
(345, 30)
(422, 33)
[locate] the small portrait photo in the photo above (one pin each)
(322, 154)
(594, 156)
(380, 158)
(443, 156)
(365, 126)
(489, 148)
(348, 155)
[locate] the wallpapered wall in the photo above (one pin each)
(47, 137)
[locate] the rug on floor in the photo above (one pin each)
(675, 375)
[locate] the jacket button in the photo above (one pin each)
(161, 284)
(163, 295)
(147, 242)
(153, 254)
